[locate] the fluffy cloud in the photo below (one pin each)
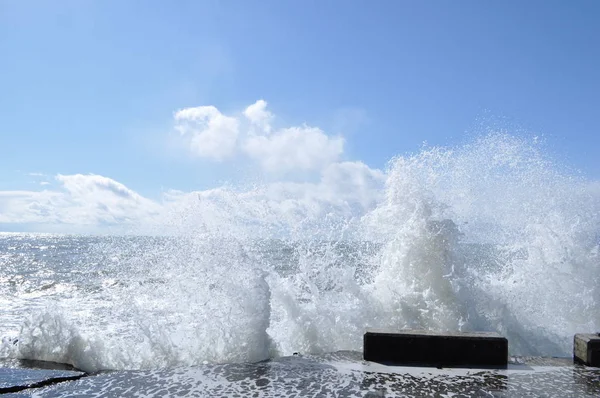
(334, 188)
(297, 148)
(331, 197)
(354, 183)
(344, 189)
(82, 200)
(104, 200)
(25, 207)
(280, 208)
(211, 134)
(258, 115)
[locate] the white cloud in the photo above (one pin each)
(344, 189)
(24, 207)
(83, 200)
(295, 148)
(215, 136)
(99, 199)
(16, 194)
(348, 189)
(258, 115)
(212, 135)
(353, 182)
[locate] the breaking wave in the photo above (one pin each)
(489, 236)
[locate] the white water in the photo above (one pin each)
(490, 236)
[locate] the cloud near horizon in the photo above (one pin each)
(345, 189)
(82, 200)
(342, 188)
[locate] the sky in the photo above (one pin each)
(113, 111)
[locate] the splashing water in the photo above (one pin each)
(489, 236)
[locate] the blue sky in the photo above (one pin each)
(93, 87)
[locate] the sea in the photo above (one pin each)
(494, 235)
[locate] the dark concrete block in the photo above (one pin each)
(422, 348)
(586, 349)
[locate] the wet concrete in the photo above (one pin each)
(16, 376)
(342, 374)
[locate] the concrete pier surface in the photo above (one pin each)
(16, 376)
(425, 348)
(340, 374)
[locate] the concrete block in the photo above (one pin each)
(423, 348)
(586, 349)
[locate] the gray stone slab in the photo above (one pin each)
(18, 379)
(426, 348)
(586, 349)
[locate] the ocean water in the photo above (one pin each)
(489, 236)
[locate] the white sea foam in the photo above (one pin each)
(489, 236)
